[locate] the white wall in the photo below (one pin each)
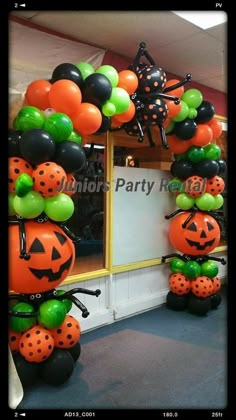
(127, 294)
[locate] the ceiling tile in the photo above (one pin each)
(178, 46)
(114, 30)
(201, 55)
(219, 32)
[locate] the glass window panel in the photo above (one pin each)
(88, 219)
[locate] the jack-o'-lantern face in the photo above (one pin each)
(52, 256)
(200, 236)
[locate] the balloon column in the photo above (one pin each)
(45, 149)
(196, 227)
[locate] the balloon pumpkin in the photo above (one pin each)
(50, 255)
(198, 237)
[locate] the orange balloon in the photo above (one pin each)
(203, 135)
(68, 334)
(166, 122)
(216, 127)
(115, 123)
(37, 94)
(173, 108)
(175, 92)
(127, 115)
(199, 237)
(128, 81)
(87, 119)
(36, 344)
(178, 146)
(65, 96)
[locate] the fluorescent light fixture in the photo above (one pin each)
(204, 20)
(96, 146)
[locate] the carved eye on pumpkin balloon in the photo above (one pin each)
(200, 236)
(51, 252)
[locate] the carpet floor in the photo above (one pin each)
(156, 360)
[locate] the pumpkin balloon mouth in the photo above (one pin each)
(47, 272)
(198, 246)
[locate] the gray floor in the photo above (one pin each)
(160, 359)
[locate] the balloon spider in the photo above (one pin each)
(149, 98)
(199, 259)
(42, 218)
(193, 211)
(36, 299)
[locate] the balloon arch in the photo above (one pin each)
(46, 147)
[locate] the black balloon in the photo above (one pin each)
(176, 302)
(132, 129)
(222, 166)
(186, 129)
(151, 79)
(182, 169)
(28, 372)
(199, 306)
(105, 126)
(57, 369)
(206, 168)
(37, 146)
(215, 300)
(75, 351)
(205, 112)
(154, 112)
(14, 142)
(67, 71)
(70, 156)
(97, 89)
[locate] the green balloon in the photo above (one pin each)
(184, 202)
(11, 210)
(22, 324)
(75, 137)
(51, 313)
(66, 302)
(192, 113)
(59, 126)
(110, 72)
(177, 265)
(29, 206)
(219, 201)
(108, 109)
(209, 269)
(205, 202)
(24, 184)
(30, 117)
(85, 69)
(192, 97)
(174, 185)
(120, 98)
(195, 154)
(192, 269)
(182, 114)
(212, 151)
(15, 124)
(170, 127)
(59, 208)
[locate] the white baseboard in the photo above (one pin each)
(129, 308)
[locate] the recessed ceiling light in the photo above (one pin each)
(204, 20)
